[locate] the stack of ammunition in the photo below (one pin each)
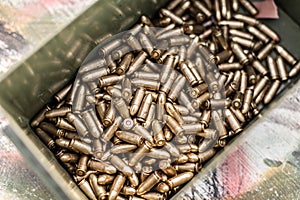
(158, 101)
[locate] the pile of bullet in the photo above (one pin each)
(155, 104)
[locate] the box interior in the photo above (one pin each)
(32, 84)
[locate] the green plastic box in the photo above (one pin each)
(29, 86)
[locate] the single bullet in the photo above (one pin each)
(158, 135)
(109, 47)
(118, 53)
(198, 90)
(244, 42)
(95, 74)
(251, 74)
(268, 31)
(166, 68)
(126, 90)
(144, 108)
(78, 123)
(244, 81)
(40, 116)
(149, 183)
(63, 124)
(132, 41)
(148, 84)
(232, 24)
(127, 190)
(233, 122)
(173, 125)
(137, 62)
(64, 143)
(172, 149)
(197, 103)
(187, 148)
(262, 54)
(218, 122)
(109, 116)
(251, 9)
(230, 66)
(61, 95)
(173, 17)
(81, 147)
(273, 68)
(295, 70)
(110, 131)
(162, 187)
(168, 134)
(158, 154)
(124, 64)
(51, 129)
(86, 188)
(248, 96)
(146, 43)
(286, 55)
(208, 134)
(281, 68)
(224, 6)
(190, 51)
(99, 190)
(145, 172)
(258, 34)
(241, 34)
(143, 132)
(120, 165)
(47, 140)
(259, 86)
(272, 91)
(137, 100)
(199, 5)
(79, 102)
(192, 128)
(92, 65)
(108, 80)
(97, 148)
(90, 123)
(206, 144)
(181, 139)
(121, 107)
(238, 51)
(178, 86)
(104, 179)
(217, 33)
(129, 137)
(205, 118)
(203, 157)
(122, 148)
(101, 166)
(186, 71)
(82, 165)
(216, 104)
(140, 153)
(146, 75)
(217, 8)
(237, 101)
(167, 86)
(239, 115)
(188, 167)
(247, 19)
(223, 56)
(260, 67)
(180, 179)
(58, 112)
(117, 186)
